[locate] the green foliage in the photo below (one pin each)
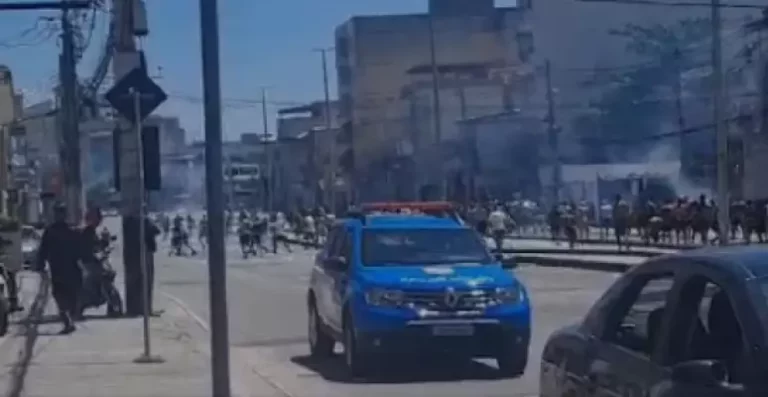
(631, 105)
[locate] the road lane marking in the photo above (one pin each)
(205, 326)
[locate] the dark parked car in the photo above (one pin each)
(688, 324)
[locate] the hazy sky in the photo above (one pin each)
(263, 43)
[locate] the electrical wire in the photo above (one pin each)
(42, 31)
(677, 3)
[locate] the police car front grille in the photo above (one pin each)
(437, 300)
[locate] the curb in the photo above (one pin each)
(599, 241)
(582, 251)
(603, 266)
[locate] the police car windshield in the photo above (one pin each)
(395, 247)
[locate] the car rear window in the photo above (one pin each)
(382, 247)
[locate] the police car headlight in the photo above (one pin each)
(384, 297)
(508, 295)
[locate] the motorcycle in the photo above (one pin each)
(99, 286)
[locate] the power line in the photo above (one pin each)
(676, 3)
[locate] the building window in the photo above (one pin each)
(5, 77)
(345, 75)
(342, 47)
(525, 46)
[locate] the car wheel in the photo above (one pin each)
(512, 361)
(355, 360)
(114, 303)
(4, 321)
(320, 344)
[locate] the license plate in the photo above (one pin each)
(453, 330)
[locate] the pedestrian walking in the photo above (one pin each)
(60, 250)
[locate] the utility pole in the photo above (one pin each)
(69, 141)
(436, 111)
(553, 133)
(330, 172)
(268, 185)
(721, 131)
(214, 188)
(70, 120)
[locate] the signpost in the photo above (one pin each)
(135, 97)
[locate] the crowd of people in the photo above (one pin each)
(258, 232)
(679, 221)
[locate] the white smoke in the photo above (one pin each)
(667, 152)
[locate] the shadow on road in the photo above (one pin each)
(28, 330)
(442, 369)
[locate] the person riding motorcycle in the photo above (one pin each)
(97, 286)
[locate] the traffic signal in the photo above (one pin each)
(151, 153)
(150, 139)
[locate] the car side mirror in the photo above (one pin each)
(700, 372)
(113, 238)
(337, 263)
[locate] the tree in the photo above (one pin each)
(633, 100)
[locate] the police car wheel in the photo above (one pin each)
(512, 361)
(354, 359)
(320, 344)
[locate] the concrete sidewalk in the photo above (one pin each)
(97, 360)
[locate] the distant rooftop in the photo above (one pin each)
(312, 107)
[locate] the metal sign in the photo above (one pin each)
(122, 95)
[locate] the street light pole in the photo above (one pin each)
(436, 111)
(721, 131)
(214, 189)
(330, 173)
(267, 152)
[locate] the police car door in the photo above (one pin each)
(339, 278)
(321, 279)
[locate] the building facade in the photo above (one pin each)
(375, 53)
(307, 155)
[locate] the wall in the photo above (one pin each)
(374, 54)
(8, 114)
(172, 136)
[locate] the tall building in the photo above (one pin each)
(304, 154)
(8, 116)
(375, 53)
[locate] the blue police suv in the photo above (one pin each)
(404, 277)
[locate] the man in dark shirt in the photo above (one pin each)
(91, 246)
(60, 249)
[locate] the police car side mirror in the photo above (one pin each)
(337, 263)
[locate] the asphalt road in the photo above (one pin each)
(266, 298)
